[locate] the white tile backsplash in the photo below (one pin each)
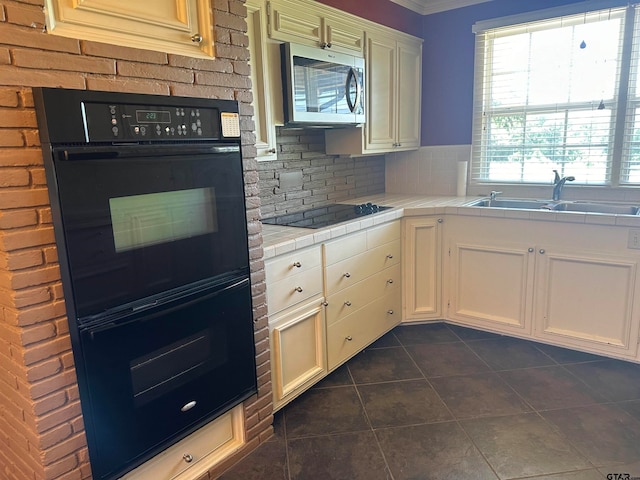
(426, 171)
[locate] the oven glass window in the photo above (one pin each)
(144, 220)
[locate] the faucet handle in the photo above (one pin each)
(556, 177)
(494, 194)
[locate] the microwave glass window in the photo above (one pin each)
(154, 218)
(320, 86)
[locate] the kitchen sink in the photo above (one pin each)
(560, 206)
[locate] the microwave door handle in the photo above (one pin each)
(352, 76)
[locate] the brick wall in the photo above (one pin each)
(322, 178)
(41, 429)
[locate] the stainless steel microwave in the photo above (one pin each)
(322, 87)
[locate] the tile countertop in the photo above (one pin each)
(279, 239)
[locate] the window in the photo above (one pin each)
(558, 94)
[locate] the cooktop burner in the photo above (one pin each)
(324, 216)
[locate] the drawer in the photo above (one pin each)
(294, 289)
(356, 331)
(355, 269)
(345, 247)
(350, 300)
(293, 263)
(205, 447)
(385, 233)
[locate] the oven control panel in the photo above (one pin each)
(128, 122)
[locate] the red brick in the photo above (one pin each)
(44, 369)
(32, 278)
(64, 448)
(62, 61)
(30, 37)
(13, 117)
(50, 254)
(17, 218)
(44, 216)
(10, 138)
(65, 469)
(232, 52)
(38, 177)
(26, 98)
(222, 80)
(123, 53)
(200, 64)
(24, 198)
(37, 333)
(5, 56)
(20, 260)
(33, 315)
(129, 85)
(26, 238)
(202, 91)
(145, 70)
(31, 138)
(46, 350)
(13, 177)
(231, 21)
(50, 403)
(24, 15)
(8, 97)
(20, 157)
(56, 417)
(57, 291)
(11, 75)
(34, 296)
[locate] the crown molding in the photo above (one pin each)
(426, 7)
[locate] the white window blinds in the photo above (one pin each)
(547, 98)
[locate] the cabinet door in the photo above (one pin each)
(587, 301)
(168, 26)
(344, 37)
(289, 22)
(422, 268)
(260, 64)
(409, 95)
(298, 357)
(491, 286)
(380, 129)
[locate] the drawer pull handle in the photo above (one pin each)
(390, 280)
(297, 264)
(542, 251)
(298, 289)
(187, 458)
(390, 312)
(188, 406)
(347, 275)
(348, 338)
(389, 256)
(347, 303)
(530, 250)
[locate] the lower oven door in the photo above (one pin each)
(156, 376)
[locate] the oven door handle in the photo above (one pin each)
(127, 151)
(156, 308)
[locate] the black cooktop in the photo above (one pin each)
(324, 216)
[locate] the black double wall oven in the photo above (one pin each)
(147, 197)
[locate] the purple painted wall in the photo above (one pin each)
(447, 75)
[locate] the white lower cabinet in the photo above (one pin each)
(196, 454)
(422, 268)
(298, 353)
(573, 285)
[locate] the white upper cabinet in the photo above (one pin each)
(314, 25)
(175, 26)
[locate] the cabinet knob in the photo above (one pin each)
(390, 312)
(440, 220)
(297, 264)
(325, 44)
(347, 303)
(542, 251)
(348, 338)
(389, 256)
(187, 458)
(196, 38)
(271, 150)
(298, 289)
(325, 304)
(347, 275)
(530, 250)
(390, 280)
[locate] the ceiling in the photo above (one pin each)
(426, 7)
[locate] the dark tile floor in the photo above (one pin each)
(439, 401)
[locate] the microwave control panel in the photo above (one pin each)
(106, 122)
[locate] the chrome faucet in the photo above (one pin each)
(558, 183)
(493, 195)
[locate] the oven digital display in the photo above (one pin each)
(153, 116)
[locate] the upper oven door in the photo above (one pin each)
(138, 221)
